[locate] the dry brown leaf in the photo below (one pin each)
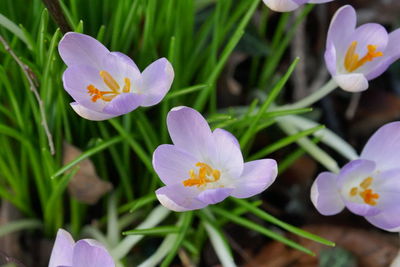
(85, 186)
(371, 248)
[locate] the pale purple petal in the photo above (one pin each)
(319, 1)
(76, 79)
(388, 220)
(90, 114)
(80, 49)
(384, 147)
(213, 196)
(355, 172)
(281, 5)
(157, 80)
(120, 69)
(362, 209)
(179, 198)
(62, 249)
(325, 194)
(257, 176)
(172, 164)
(126, 59)
(370, 34)
(387, 185)
(341, 29)
(352, 82)
(331, 59)
(390, 55)
(228, 157)
(91, 254)
(123, 103)
(190, 132)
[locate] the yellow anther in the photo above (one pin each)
(366, 183)
(205, 175)
(112, 84)
(352, 61)
(369, 197)
(127, 86)
(109, 81)
(353, 191)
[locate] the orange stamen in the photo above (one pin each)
(352, 61)
(366, 193)
(205, 175)
(112, 84)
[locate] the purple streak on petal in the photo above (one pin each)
(90, 114)
(126, 59)
(354, 172)
(370, 34)
(80, 49)
(362, 209)
(387, 185)
(384, 147)
(123, 103)
(62, 249)
(179, 198)
(173, 164)
(213, 196)
(190, 132)
(325, 194)
(341, 29)
(157, 80)
(388, 220)
(257, 176)
(228, 157)
(281, 5)
(76, 79)
(390, 55)
(353, 82)
(91, 254)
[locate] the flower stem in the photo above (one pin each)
(314, 97)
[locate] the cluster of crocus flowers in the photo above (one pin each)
(290, 5)
(204, 167)
(83, 253)
(356, 55)
(107, 84)
(368, 186)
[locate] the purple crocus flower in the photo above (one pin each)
(290, 5)
(107, 84)
(204, 167)
(356, 55)
(368, 186)
(84, 253)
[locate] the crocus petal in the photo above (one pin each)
(362, 209)
(370, 34)
(179, 198)
(353, 82)
(281, 5)
(213, 196)
(388, 220)
(190, 132)
(341, 29)
(76, 79)
(390, 55)
(257, 176)
(319, 1)
(90, 114)
(80, 49)
(228, 156)
(157, 80)
(126, 59)
(325, 194)
(172, 164)
(384, 147)
(123, 103)
(330, 58)
(91, 254)
(354, 172)
(62, 250)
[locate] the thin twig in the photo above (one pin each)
(30, 76)
(57, 14)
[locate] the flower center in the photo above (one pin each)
(111, 83)
(352, 60)
(205, 175)
(365, 192)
